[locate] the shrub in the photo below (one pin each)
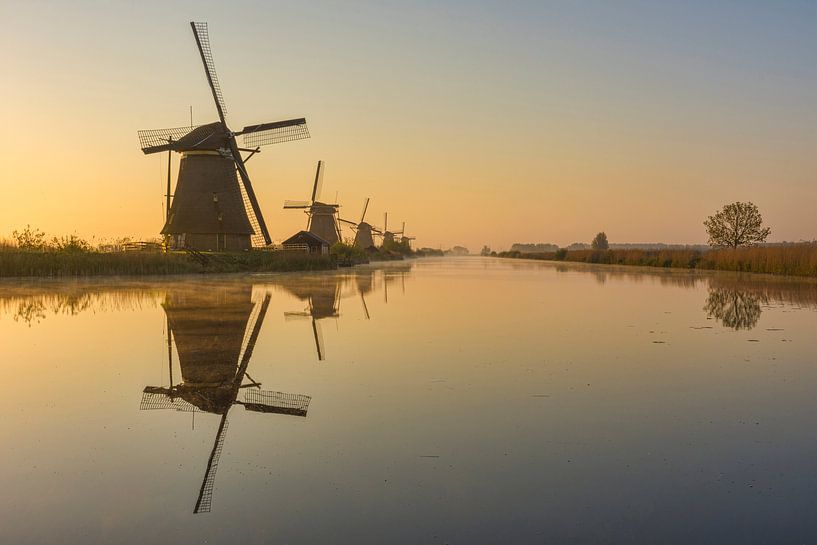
(30, 239)
(344, 251)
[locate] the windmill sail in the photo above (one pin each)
(318, 334)
(205, 499)
(275, 133)
(318, 185)
(260, 236)
(158, 140)
(164, 398)
(250, 337)
(276, 402)
(203, 42)
(365, 207)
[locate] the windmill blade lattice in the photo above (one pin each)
(258, 239)
(276, 402)
(152, 400)
(297, 204)
(156, 140)
(365, 207)
(205, 500)
(203, 38)
(316, 189)
(275, 133)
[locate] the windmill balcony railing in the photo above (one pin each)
(295, 248)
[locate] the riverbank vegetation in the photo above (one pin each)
(55, 263)
(31, 253)
(737, 238)
(792, 259)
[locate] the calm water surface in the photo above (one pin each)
(439, 401)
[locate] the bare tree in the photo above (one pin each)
(736, 224)
(600, 242)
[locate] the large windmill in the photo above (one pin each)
(322, 216)
(211, 209)
(363, 230)
(215, 333)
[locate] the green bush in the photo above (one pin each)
(346, 252)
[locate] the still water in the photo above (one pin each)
(436, 401)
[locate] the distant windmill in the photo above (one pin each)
(322, 217)
(388, 236)
(211, 210)
(215, 335)
(363, 230)
(403, 236)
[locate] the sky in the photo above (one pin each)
(474, 122)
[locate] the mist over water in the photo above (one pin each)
(431, 401)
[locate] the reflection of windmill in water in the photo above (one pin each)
(365, 284)
(322, 217)
(390, 276)
(215, 333)
(322, 302)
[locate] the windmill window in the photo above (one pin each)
(215, 197)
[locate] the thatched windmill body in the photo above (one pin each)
(322, 216)
(213, 208)
(363, 230)
(215, 333)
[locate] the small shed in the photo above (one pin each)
(307, 242)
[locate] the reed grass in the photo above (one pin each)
(15, 262)
(792, 260)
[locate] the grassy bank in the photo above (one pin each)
(794, 260)
(54, 263)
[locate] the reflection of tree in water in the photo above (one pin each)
(734, 308)
(34, 309)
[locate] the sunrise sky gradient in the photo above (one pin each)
(474, 122)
